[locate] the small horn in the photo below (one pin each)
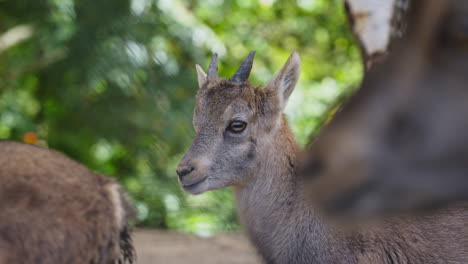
(213, 68)
(242, 74)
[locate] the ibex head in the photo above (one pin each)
(231, 118)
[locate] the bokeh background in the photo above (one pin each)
(112, 83)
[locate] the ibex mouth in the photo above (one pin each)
(192, 186)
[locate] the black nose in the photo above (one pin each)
(184, 171)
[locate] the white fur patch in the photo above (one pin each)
(119, 212)
(372, 23)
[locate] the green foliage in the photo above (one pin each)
(112, 83)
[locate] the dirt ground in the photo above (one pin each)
(155, 246)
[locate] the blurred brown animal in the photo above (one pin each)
(54, 210)
(399, 144)
(243, 140)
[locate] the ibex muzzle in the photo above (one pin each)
(400, 143)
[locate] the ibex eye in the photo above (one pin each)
(236, 126)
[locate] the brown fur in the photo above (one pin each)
(261, 164)
(398, 145)
(54, 210)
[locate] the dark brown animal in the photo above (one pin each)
(54, 210)
(243, 140)
(399, 145)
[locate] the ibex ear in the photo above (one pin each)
(201, 75)
(285, 80)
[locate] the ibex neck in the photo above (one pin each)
(281, 225)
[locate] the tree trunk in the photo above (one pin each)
(376, 23)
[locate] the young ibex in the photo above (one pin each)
(54, 210)
(243, 140)
(400, 144)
